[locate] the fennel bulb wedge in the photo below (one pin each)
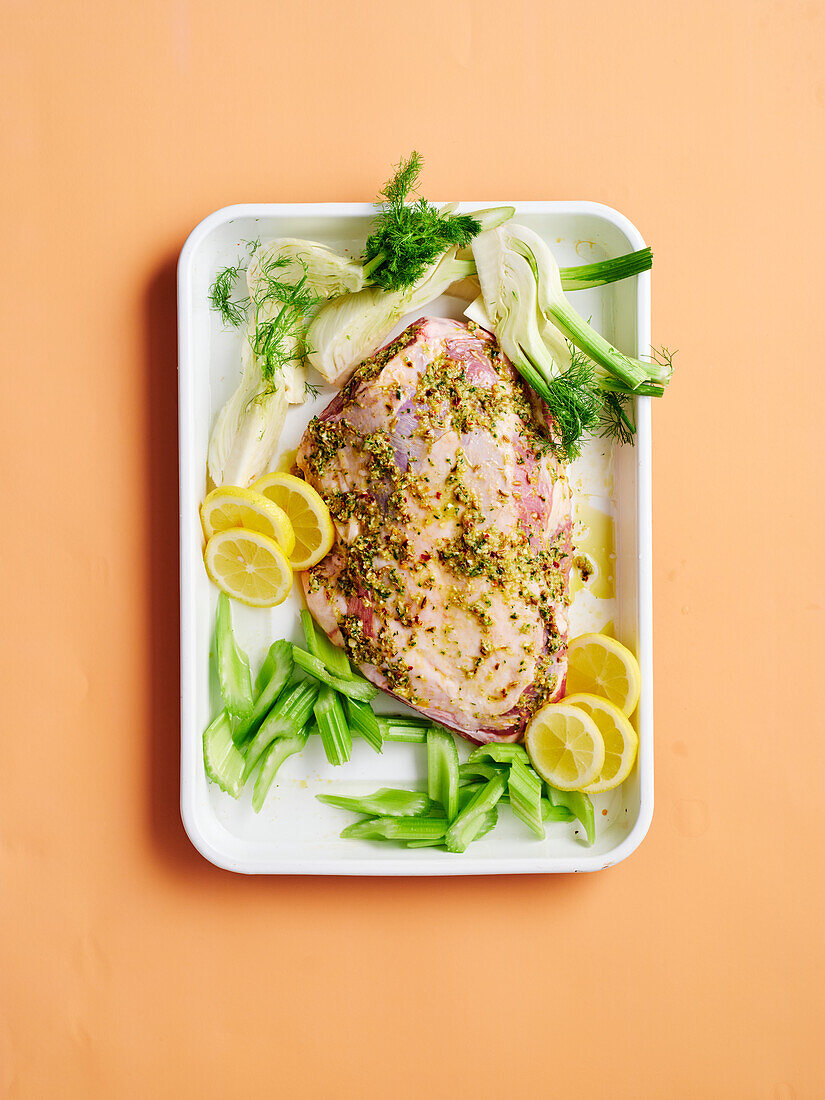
(513, 262)
(585, 382)
(349, 329)
(311, 267)
(248, 428)
(287, 280)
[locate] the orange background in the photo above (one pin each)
(131, 967)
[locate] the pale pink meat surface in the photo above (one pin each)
(448, 581)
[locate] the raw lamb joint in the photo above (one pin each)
(448, 581)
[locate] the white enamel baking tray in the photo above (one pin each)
(294, 833)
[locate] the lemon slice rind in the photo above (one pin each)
(248, 566)
(232, 506)
(621, 742)
(600, 665)
(307, 512)
(565, 746)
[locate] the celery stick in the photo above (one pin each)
(579, 804)
(289, 715)
(275, 755)
(470, 821)
(308, 626)
(525, 796)
(397, 828)
(223, 762)
(476, 768)
(268, 667)
(353, 729)
(489, 820)
(360, 689)
(332, 725)
(335, 658)
(467, 791)
(363, 721)
(234, 676)
(387, 802)
(397, 727)
(442, 769)
(321, 647)
(499, 753)
(278, 664)
(549, 812)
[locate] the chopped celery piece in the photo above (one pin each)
(358, 689)
(267, 668)
(308, 626)
(397, 828)
(396, 727)
(466, 792)
(388, 802)
(499, 753)
(223, 762)
(489, 820)
(275, 755)
(549, 812)
(289, 715)
(334, 657)
(321, 647)
(278, 664)
(234, 676)
(579, 804)
(363, 721)
(606, 271)
(478, 769)
(525, 796)
(332, 726)
(442, 769)
(470, 820)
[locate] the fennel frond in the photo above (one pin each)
(408, 237)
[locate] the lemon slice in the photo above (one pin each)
(565, 746)
(620, 740)
(248, 566)
(309, 516)
(231, 506)
(598, 665)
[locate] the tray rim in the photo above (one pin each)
(387, 866)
